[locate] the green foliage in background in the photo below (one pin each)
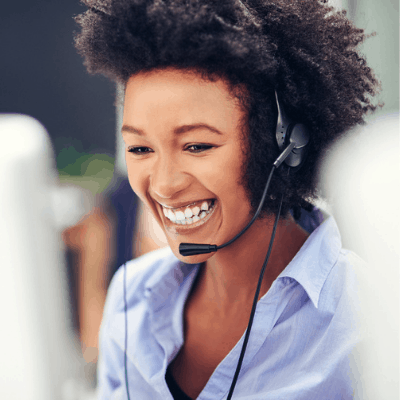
(90, 171)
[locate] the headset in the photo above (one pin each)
(292, 140)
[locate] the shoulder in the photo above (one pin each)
(134, 276)
(349, 267)
(340, 293)
(352, 265)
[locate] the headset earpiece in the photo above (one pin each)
(288, 131)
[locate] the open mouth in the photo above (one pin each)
(190, 214)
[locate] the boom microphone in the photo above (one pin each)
(192, 249)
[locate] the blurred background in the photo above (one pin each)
(41, 75)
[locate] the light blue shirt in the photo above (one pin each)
(303, 331)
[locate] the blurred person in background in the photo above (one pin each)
(200, 127)
(116, 230)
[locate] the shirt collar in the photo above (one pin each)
(170, 275)
(314, 261)
(310, 267)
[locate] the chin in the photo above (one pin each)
(192, 259)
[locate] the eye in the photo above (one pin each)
(198, 148)
(140, 150)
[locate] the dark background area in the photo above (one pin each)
(43, 76)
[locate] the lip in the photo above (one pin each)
(177, 228)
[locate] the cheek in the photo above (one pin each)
(133, 179)
(226, 175)
(137, 181)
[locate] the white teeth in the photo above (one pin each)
(189, 215)
(171, 216)
(180, 216)
(204, 206)
(196, 210)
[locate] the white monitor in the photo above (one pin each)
(362, 181)
(38, 351)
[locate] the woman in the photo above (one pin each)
(200, 114)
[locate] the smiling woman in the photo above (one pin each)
(201, 134)
(182, 133)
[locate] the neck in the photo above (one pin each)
(229, 279)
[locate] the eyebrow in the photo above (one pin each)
(177, 131)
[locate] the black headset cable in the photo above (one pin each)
(253, 310)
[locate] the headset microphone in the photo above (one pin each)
(292, 139)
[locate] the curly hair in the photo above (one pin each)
(303, 49)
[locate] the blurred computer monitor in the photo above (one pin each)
(361, 178)
(39, 353)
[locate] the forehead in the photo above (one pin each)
(179, 95)
(167, 78)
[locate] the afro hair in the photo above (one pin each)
(303, 49)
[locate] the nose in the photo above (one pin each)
(168, 179)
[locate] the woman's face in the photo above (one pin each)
(184, 156)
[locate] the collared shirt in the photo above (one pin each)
(303, 330)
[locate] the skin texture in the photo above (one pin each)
(148, 234)
(170, 168)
